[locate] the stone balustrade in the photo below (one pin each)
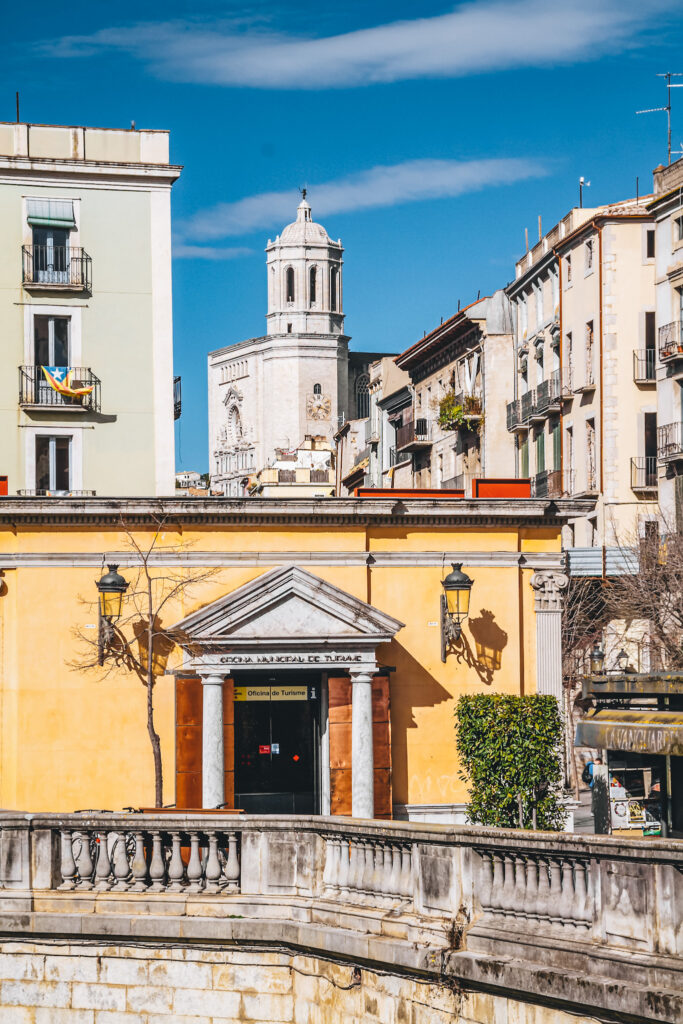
(487, 908)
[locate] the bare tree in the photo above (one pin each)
(646, 604)
(147, 600)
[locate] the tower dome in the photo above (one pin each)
(304, 278)
(304, 230)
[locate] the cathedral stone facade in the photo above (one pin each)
(268, 394)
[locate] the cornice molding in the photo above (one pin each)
(383, 511)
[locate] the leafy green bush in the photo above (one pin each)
(510, 745)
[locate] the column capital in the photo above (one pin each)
(212, 678)
(362, 675)
(549, 588)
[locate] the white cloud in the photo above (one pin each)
(181, 251)
(484, 35)
(380, 186)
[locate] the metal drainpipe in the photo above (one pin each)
(602, 397)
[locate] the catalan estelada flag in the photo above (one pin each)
(60, 378)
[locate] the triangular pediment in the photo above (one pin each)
(284, 605)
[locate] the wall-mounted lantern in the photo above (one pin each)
(455, 606)
(597, 660)
(622, 661)
(111, 589)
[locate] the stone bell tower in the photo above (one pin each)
(304, 269)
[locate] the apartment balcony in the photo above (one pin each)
(669, 442)
(300, 475)
(58, 268)
(548, 396)
(671, 342)
(177, 398)
(644, 474)
(644, 360)
(371, 431)
(415, 436)
(37, 394)
(454, 483)
(514, 416)
(527, 403)
(547, 484)
(24, 493)
(586, 383)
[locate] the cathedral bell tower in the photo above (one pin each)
(304, 270)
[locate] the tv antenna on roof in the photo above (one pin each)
(652, 110)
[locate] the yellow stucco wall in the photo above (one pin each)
(74, 739)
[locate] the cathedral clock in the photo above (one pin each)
(318, 407)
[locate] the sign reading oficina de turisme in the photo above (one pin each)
(326, 658)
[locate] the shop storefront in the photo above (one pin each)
(636, 722)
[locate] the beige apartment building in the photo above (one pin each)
(87, 393)
(584, 413)
(667, 209)
(453, 428)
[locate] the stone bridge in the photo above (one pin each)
(181, 918)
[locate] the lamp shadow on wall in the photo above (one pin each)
(489, 642)
(412, 687)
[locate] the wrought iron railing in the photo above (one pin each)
(418, 431)
(669, 442)
(514, 414)
(644, 473)
(547, 484)
(35, 389)
(671, 341)
(56, 266)
(527, 403)
(177, 398)
(644, 360)
(548, 393)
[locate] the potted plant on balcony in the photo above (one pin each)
(456, 413)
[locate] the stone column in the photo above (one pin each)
(362, 759)
(549, 587)
(213, 768)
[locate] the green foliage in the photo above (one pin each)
(456, 411)
(510, 745)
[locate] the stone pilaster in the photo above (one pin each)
(549, 588)
(362, 756)
(213, 769)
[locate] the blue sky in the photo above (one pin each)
(429, 135)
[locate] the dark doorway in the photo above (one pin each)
(277, 743)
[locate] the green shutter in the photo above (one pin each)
(540, 451)
(525, 457)
(50, 213)
(557, 446)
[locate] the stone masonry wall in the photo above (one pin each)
(88, 983)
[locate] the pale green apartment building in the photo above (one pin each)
(87, 392)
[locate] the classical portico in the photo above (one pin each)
(287, 621)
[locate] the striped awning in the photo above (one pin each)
(636, 732)
(51, 213)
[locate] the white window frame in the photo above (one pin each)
(27, 230)
(75, 454)
(75, 330)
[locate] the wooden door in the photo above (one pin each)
(188, 742)
(339, 689)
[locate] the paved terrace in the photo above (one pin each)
(584, 924)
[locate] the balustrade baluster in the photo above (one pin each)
(395, 879)
(543, 891)
(157, 868)
(507, 896)
(176, 868)
(406, 887)
(232, 867)
(355, 855)
(555, 896)
(377, 867)
(485, 881)
(519, 906)
(329, 876)
(139, 865)
(583, 911)
(566, 905)
(498, 882)
(103, 867)
(84, 862)
(68, 864)
(213, 865)
(386, 873)
(344, 866)
(368, 868)
(120, 864)
(194, 865)
(531, 899)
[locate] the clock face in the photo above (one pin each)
(318, 407)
